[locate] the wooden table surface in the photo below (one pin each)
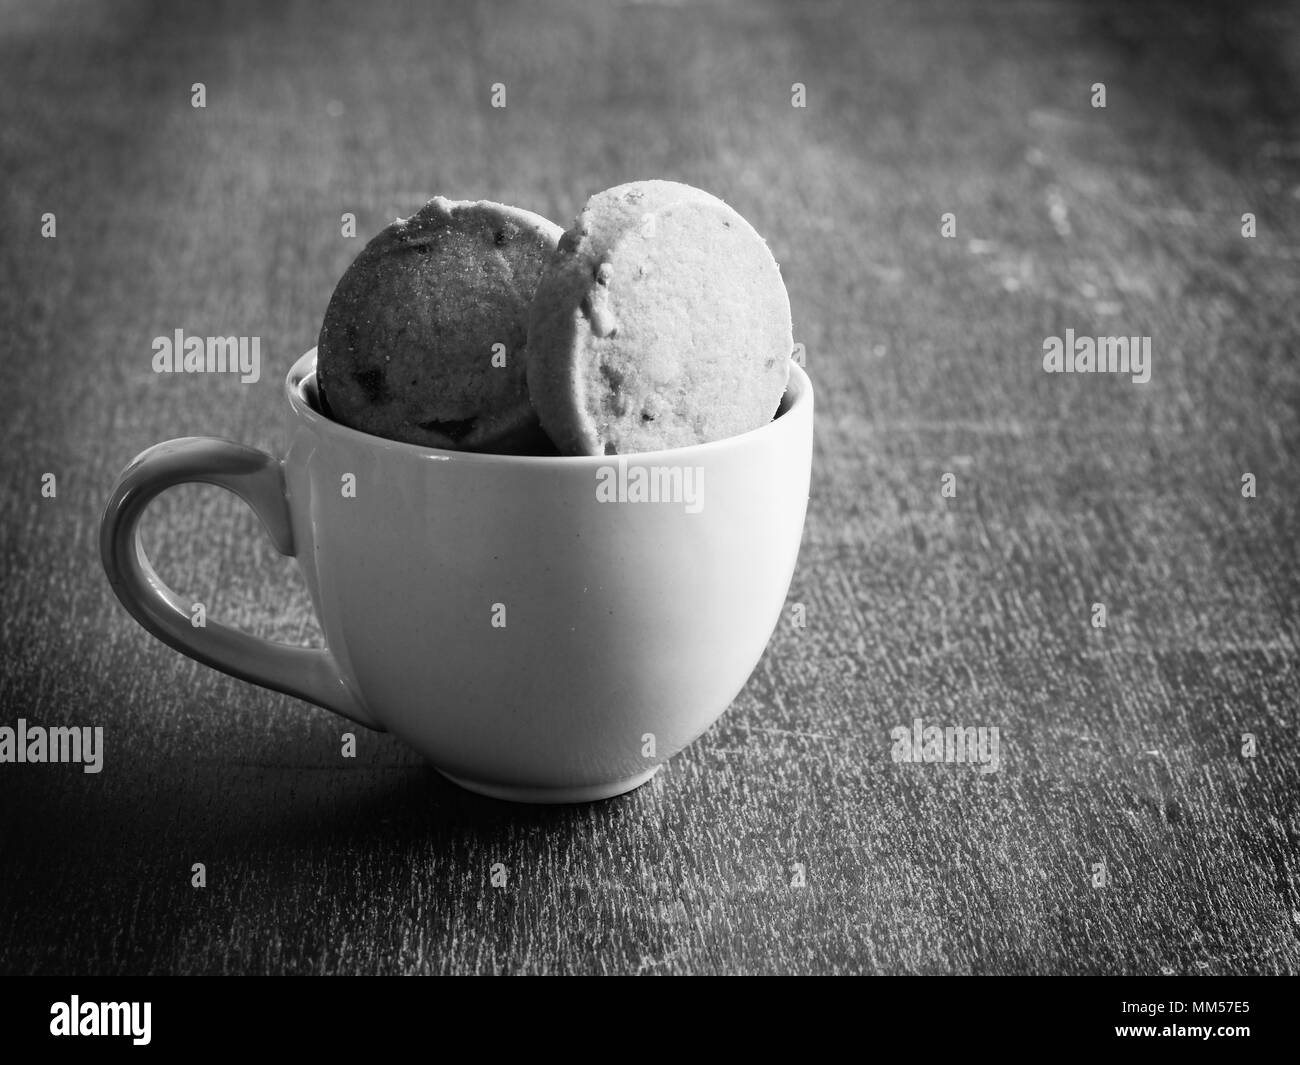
(1120, 745)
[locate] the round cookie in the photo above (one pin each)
(661, 321)
(409, 346)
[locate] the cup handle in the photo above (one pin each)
(258, 479)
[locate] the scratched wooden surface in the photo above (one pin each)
(1120, 745)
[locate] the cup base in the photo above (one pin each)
(582, 793)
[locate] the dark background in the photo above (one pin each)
(1120, 745)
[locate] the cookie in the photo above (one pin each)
(661, 321)
(423, 339)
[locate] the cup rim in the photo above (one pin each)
(799, 391)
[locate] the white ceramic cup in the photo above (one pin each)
(531, 625)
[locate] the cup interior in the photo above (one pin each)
(304, 397)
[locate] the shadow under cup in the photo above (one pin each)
(542, 629)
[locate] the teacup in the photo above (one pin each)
(540, 629)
